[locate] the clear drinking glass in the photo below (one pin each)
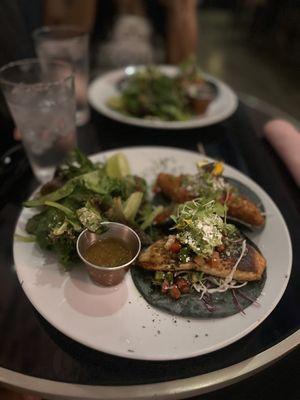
(41, 98)
(69, 44)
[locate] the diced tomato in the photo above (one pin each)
(175, 247)
(175, 292)
(165, 286)
(183, 285)
(161, 218)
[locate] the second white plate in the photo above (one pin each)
(106, 86)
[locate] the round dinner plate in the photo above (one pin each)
(107, 86)
(118, 320)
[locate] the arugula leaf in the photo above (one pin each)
(76, 164)
(58, 194)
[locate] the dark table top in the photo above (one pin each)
(31, 346)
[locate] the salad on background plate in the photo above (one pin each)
(162, 96)
(149, 93)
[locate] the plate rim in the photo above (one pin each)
(221, 345)
(158, 124)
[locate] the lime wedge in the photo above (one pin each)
(117, 166)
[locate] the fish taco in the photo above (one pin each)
(205, 268)
(243, 205)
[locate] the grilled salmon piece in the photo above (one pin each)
(239, 207)
(251, 267)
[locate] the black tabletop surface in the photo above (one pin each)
(30, 345)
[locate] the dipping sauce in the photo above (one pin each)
(109, 252)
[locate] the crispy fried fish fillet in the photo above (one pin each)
(239, 207)
(172, 187)
(245, 210)
(251, 267)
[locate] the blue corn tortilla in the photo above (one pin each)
(250, 195)
(190, 305)
(247, 192)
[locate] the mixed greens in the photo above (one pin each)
(149, 93)
(82, 195)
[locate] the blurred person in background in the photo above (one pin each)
(181, 29)
(130, 26)
(159, 31)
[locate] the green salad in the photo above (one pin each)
(151, 94)
(83, 194)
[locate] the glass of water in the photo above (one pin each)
(40, 96)
(69, 44)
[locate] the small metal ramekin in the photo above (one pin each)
(108, 276)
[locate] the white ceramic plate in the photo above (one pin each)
(106, 86)
(118, 320)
